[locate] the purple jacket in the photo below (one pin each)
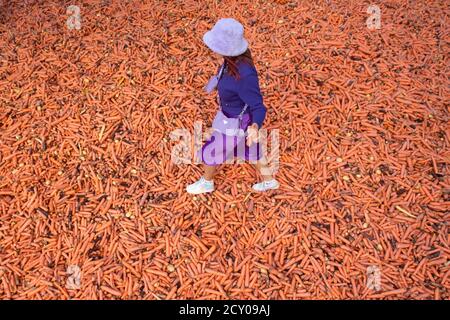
(234, 94)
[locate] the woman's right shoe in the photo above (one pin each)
(200, 186)
(266, 185)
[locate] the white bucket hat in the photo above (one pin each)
(226, 38)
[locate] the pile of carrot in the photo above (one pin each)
(86, 177)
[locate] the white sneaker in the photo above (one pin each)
(266, 185)
(200, 186)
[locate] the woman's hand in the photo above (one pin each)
(208, 133)
(252, 136)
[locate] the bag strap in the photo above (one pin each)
(221, 71)
(243, 110)
(240, 114)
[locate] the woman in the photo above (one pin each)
(239, 98)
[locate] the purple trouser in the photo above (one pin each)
(221, 148)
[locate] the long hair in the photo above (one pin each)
(231, 63)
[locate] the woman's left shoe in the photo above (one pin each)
(266, 185)
(200, 186)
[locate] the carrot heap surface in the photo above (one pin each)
(86, 177)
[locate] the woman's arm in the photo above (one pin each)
(250, 93)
